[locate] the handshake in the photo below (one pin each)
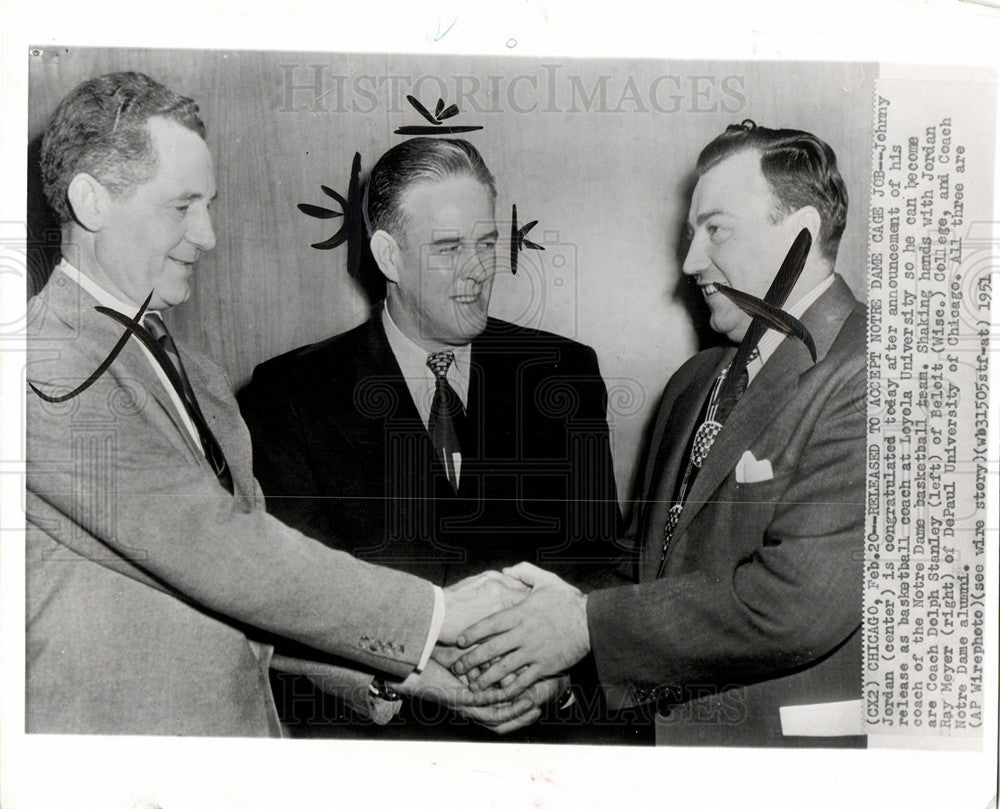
(506, 640)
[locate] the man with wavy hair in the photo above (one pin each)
(155, 579)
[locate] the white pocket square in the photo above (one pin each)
(750, 470)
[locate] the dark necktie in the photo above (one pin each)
(732, 383)
(179, 379)
(726, 391)
(447, 415)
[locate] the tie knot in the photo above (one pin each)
(440, 362)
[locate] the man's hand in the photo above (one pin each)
(474, 598)
(538, 695)
(447, 655)
(543, 635)
(436, 684)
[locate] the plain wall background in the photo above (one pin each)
(601, 152)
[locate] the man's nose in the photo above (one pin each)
(202, 233)
(696, 260)
(480, 265)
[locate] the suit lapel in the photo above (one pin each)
(672, 436)
(489, 403)
(215, 399)
(377, 367)
(685, 418)
(75, 307)
(774, 385)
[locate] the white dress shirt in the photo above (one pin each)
(772, 339)
(420, 380)
(105, 298)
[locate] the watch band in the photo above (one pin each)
(567, 698)
(380, 689)
(384, 702)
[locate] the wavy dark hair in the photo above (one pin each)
(799, 168)
(100, 128)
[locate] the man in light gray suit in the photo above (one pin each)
(154, 576)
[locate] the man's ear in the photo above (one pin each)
(387, 254)
(88, 200)
(808, 217)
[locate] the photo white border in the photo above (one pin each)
(123, 772)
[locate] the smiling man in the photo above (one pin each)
(745, 624)
(155, 579)
(151, 238)
(434, 438)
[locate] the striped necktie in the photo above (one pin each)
(179, 379)
(447, 416)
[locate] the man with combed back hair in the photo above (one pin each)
(434, 438)
(744, 626)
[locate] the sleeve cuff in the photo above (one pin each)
(437, 621)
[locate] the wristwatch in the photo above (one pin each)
(384, 701)
(566, 699)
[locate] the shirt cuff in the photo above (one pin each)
(437, 621)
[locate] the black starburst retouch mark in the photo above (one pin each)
(519, 240)
(441, 114)
(352, 230)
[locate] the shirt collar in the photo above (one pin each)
(412, 358)
(772, 339)
(97, 292)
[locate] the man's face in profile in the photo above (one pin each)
(735, 239)
(153, 234)
(448, 261)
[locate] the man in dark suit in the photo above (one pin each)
(744, 626)
(155, 579)
(433, 438)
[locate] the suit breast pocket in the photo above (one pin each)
(762, 491)
(753, 506)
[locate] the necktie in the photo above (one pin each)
(179, 379)
(726, 392)
(731, 385)
(447, 415)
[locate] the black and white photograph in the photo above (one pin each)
(501, 411)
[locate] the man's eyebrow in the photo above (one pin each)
(457, 239)
(193, 195)
(703, 217)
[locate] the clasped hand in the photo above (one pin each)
(515, 631)
(532, 626)
(467, 602)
